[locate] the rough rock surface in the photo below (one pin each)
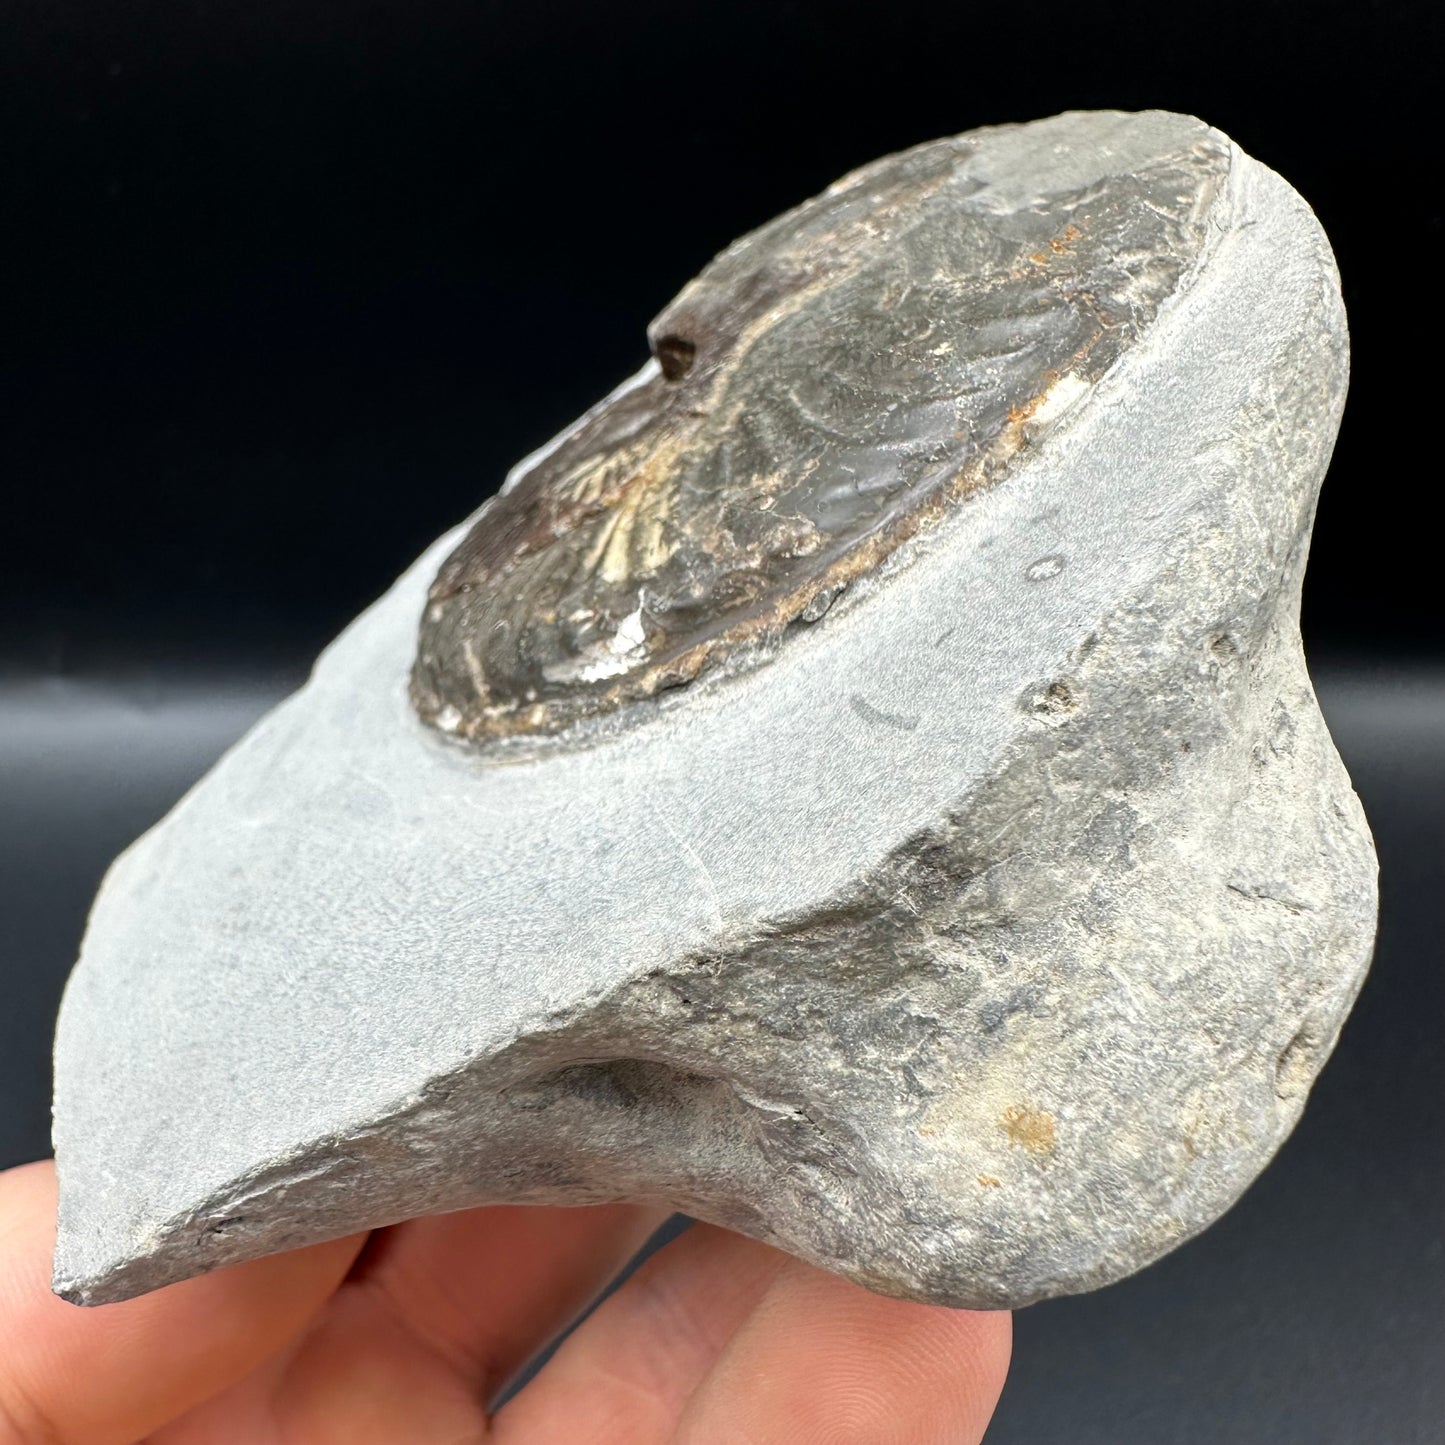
(981, 946)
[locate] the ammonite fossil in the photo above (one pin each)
(826, 388)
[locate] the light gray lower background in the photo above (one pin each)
(1314, 1312)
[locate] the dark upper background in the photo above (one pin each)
(284, 289)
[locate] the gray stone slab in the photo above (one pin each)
(981, 944)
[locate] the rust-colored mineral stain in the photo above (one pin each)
(1029, 1128)
(827, 388)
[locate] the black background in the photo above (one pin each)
(284, 290)
(288, 287)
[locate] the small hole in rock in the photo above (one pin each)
(675, 355)
(1294, 1068)
(1055, 702)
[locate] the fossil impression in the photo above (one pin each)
(859, 784)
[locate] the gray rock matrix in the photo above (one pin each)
(981, 946)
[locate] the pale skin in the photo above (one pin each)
(402, 1337)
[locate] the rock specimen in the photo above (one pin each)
(860, 784)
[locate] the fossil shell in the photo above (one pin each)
(823, 390)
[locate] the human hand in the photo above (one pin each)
(403, 1336)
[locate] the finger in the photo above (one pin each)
(721, 1339)
(112, 1374)
(489, 1288)
(626, 1374)
(436, 1315)
(823, 1362)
